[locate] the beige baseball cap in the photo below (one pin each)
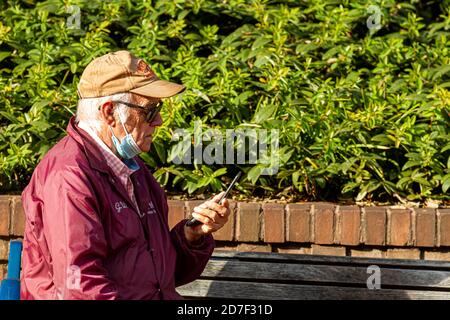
(120, 72)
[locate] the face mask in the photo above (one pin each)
(132, 164)
(127, 148)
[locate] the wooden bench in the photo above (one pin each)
(239, 275)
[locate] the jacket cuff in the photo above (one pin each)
(204, 243)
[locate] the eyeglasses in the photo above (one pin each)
(151, 111)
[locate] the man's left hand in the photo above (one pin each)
(212, 215)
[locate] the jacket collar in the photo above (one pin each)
(91, 149)
(95, 157)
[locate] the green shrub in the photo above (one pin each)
(361, 113)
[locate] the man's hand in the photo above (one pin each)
(212, 215)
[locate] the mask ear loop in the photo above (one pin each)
(126, 131)
(121, 122)
(112, 132)
(119, 111)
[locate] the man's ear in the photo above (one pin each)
(107, 113)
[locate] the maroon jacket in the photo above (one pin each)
(85, 240)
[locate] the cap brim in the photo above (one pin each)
(159, 89)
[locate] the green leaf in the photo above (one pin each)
(441, 71)
(201, 95)
(9, 116)
(305, 48)
(260, 42)
(160, 151)
(254, 173)
(38, 106)
(446, 183)
(264, 112)
(219, 172)
(361, 195)
(4, 55)
(412, 163)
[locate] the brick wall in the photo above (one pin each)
(330, 229)
(12, 224)
(307, 228)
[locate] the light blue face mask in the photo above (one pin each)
(127, 148)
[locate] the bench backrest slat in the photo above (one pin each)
(269, 291)
(279, 272)
(237, 275)
(334, 260)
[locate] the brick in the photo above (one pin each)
(437, 255)
(444, 227)
(3, 271)
(248, 247)
(298, 222)
(248, 224)
(425, 227)
(374, 225)
(17, 218)
(176, 212)
(299, 250)
(400, 227)
(273, 214)
(327, 250)
(403, 254)
(323, 223)
(4, 249)
(5, 205)
(226, 233)
(368, 253)
(349, 225)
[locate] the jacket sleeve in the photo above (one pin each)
(191, 259)
(76, 238)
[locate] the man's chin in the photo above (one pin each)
(146, 144)
(146, 147)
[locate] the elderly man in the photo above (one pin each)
(96, 219)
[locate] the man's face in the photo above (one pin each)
(136, 124)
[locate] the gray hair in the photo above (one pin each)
(88, 109)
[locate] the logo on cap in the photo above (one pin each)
(144, 69)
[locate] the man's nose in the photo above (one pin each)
(157, 121)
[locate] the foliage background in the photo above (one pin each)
(362, 115)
